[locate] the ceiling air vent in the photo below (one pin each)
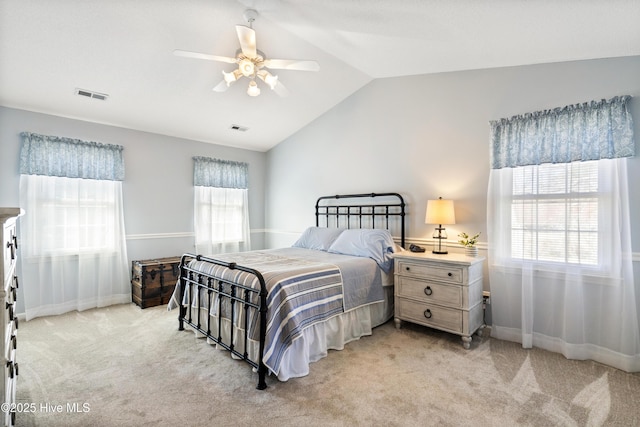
(239, 128)
(90, 94)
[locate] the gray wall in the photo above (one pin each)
(428, 136)
(158, 185)
(423, 136)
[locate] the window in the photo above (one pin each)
(74, 215)
(221, 206)
(74, 254)
(559, 232)
(220, 215)
(554, 213)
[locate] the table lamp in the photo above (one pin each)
(440, 212)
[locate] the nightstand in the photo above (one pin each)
(439, 291)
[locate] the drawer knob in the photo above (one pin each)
(449, 274)
(427, 313)
(408, 268)
(428, 290)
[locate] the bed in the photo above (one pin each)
(282, 309)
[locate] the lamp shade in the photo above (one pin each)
(253, 89)
(440, 212)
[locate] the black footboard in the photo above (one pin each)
(213, 289)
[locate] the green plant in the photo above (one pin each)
(468, 242)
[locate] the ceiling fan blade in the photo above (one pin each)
(291, 64)
(221, 87)
(281, 90)
(247, 38)
(198, 55)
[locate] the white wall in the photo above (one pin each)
(428, 136)
(158, 185)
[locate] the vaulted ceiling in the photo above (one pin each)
(51, 48)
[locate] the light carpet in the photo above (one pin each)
(123, 366)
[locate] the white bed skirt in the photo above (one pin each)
(316, 340)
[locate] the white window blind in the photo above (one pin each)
(220, 215)
(74, 216)
(554, 213)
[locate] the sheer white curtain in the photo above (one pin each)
(73, 252)
(221, 206)
(560, 265)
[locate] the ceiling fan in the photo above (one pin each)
(251, 62)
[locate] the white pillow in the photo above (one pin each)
(318, 238)
(376, 244)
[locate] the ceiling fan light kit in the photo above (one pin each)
(253, 90)
(251, 62)
(268, 78)
(231, 77)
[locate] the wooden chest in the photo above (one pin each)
(153, 280)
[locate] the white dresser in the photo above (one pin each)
(9, 323)
(439, 291)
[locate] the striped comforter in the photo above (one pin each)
(301, 292)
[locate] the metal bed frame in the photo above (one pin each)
(344, 214)
(335, 214)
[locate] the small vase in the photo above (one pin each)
(471, 251)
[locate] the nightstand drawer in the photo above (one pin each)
(430, 315)
(436, 272)
(429, 291)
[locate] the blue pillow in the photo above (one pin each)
(318, 238)
(376, 244)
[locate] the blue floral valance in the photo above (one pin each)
(208, 172)
(589, 131)
(71, 158)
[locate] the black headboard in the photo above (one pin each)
(369, 210)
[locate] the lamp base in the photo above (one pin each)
(440, 235)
